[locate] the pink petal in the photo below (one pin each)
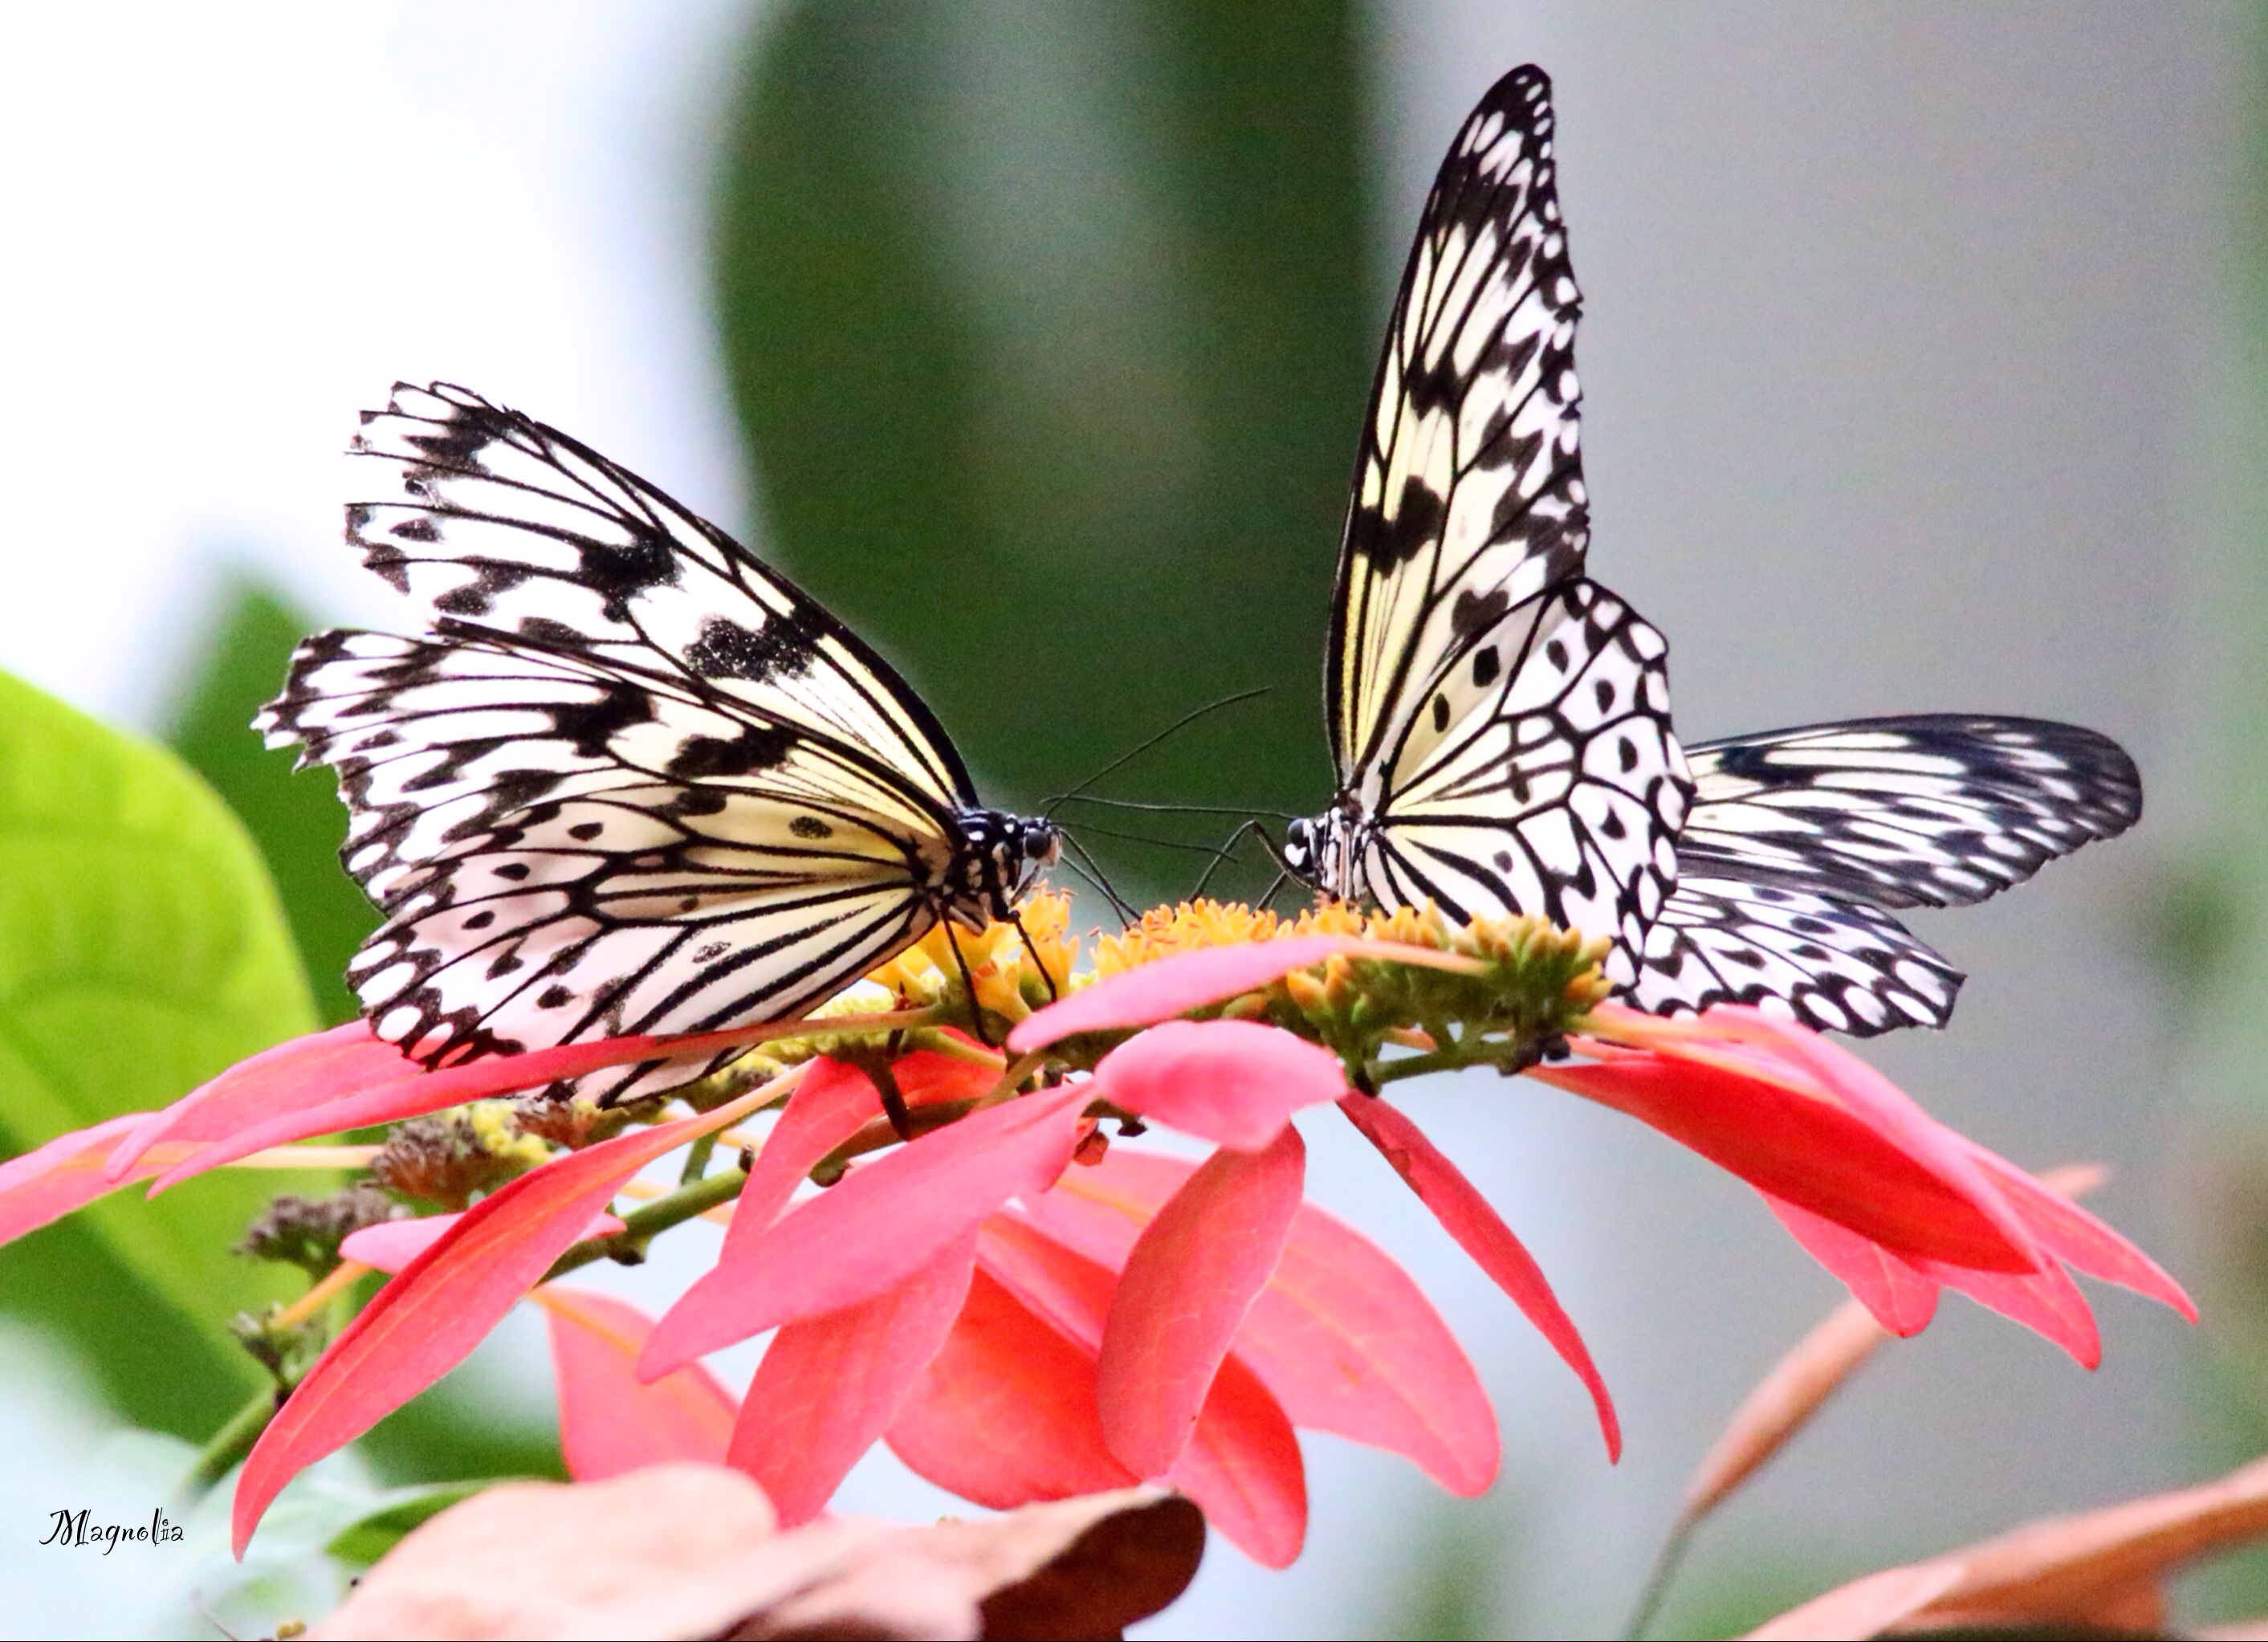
(827, 1108)
(828, 1385)
(413, 1096)
(1233, 1082)
(312, 1069)
(2046, 1301)
(609, 1422)
(1341, 1336)
(391, 1245)
(428, 1320)
(1481, 1233)
(1006, 1414)
(1819, 1156)
(1901, 1298)
(926, 1077)
(1191, 980)
(876, 1228)
(1242, 1467)
(2071, 1233)
(68, 1173)
(1188, 1284)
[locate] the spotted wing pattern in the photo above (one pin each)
(1833, 965)
(1468, 496)
(586, 809)
(1939, 810)
(1541, 777)
(1800, 840)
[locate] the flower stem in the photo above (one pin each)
(232, 1441)
(687, 1202)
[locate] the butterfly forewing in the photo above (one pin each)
(1543, 778)
(1935, 810)
(1468, 495)
(501, 525)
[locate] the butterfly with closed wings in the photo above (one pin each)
(1500, 724)
(628, 780)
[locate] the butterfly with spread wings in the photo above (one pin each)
(628, 779)
(1500, 724)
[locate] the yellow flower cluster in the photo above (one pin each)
(1012, 970)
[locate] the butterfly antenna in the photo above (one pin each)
(1178, 725)
(1176, 809)
(1160, 843)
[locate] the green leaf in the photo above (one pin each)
(295, 816)
(1051, 332)
(369, 1537)
(142, 950)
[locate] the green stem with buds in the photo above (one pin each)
(644, 1223)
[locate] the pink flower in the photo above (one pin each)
(1017, 1326)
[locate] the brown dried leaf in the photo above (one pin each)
(2095, 1566)
(692, 1551)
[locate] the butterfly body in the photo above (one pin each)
(628, 779)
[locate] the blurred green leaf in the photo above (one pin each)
(295, 816)
(368, 1538)
(142, 950)
(1048, 328)
(453, 1434)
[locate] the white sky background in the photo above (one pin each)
(1889, 357)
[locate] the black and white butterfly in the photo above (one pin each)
(1500, 724)
(627, 779)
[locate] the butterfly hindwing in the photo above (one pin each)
(1929, 810)
(550, 875)
(1547, 782)
(1833, 965)
(1468, 496)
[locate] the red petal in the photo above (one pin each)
(825, 1110)
(872, 1231)
(1191, 980)
(413, 1096)
(1481, 1233)
(1006, 1414)
(2071, 1233)
(1900, 1297)
(1242, 1467)
(1817, 1155)
(429, 1319)
(2047, 1302)
(320, 1067)
(391, 1245)
(68, 1174)
(1341, 1335)
(1233, 1082)
(829, 1386)
(609, 1423)
(1188, 1284)
(927, 1076)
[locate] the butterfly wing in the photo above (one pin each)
(1831, 964)
(1541, 777)
(504, 528)
(1469, 498)
(631, 782)
(1935, 810)
(550, 872)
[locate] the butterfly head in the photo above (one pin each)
(1002, 857)
(1321, 851)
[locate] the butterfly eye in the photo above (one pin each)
(1042, 845)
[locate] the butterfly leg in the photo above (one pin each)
(1226, 852)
